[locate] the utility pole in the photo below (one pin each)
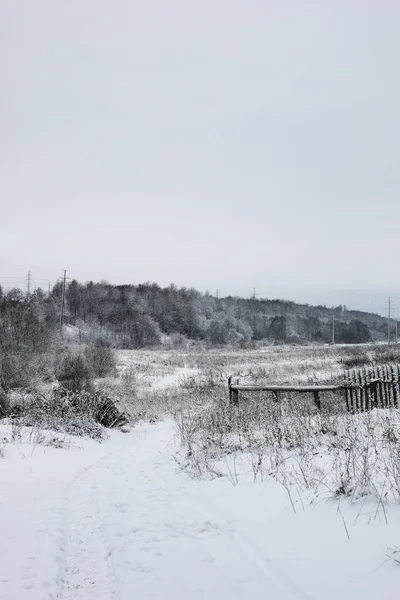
(29, 283)
(254, 309)
(389, 306)
(333, 329)
(64, 283)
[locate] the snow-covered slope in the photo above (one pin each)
(117, 521)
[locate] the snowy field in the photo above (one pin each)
(130, 518)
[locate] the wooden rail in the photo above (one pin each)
(235, 388)
(286, 388)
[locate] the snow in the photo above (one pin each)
(119, 520)
(160, 369)
(155, 369)
(176, 378)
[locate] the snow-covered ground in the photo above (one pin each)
(120, 521)
(160, 369)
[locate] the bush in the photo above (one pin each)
(14, 371)
(100, 359)
(4, 404)
(357, 357)
(100, 407)
(74, 373)
(385, 354)
(73, 413)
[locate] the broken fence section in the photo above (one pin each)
(372, 387)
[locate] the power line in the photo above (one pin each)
(25, 266)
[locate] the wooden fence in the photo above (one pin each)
(363, 389)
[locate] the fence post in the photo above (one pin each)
(317, 400)
(233, 394)
(235, 397)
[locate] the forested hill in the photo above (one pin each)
(135, 316)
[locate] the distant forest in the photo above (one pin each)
(136, 316)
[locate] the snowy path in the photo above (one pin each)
(124, 525)
(116, 521)
(131, 532)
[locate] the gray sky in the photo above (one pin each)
(216, 144)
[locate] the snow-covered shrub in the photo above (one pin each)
(75, 413)
(100, 358)
(356, 357)
(15, 370)
(73, 372)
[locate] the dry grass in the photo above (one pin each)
(326, 454)
(330, 452)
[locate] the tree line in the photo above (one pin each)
(136, 316)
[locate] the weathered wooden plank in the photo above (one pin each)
(368, 395)
(285, 388)
(389, 385)
(358, 390)
(355, 390)
(396, 385)
(384, 386)
(363, 389)
(369, 388)
(379, 387)
(351, 392)
(346, 383)
(382, 383)
(371, 398)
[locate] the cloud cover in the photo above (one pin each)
(215, 144)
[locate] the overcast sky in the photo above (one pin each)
(219, 144)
